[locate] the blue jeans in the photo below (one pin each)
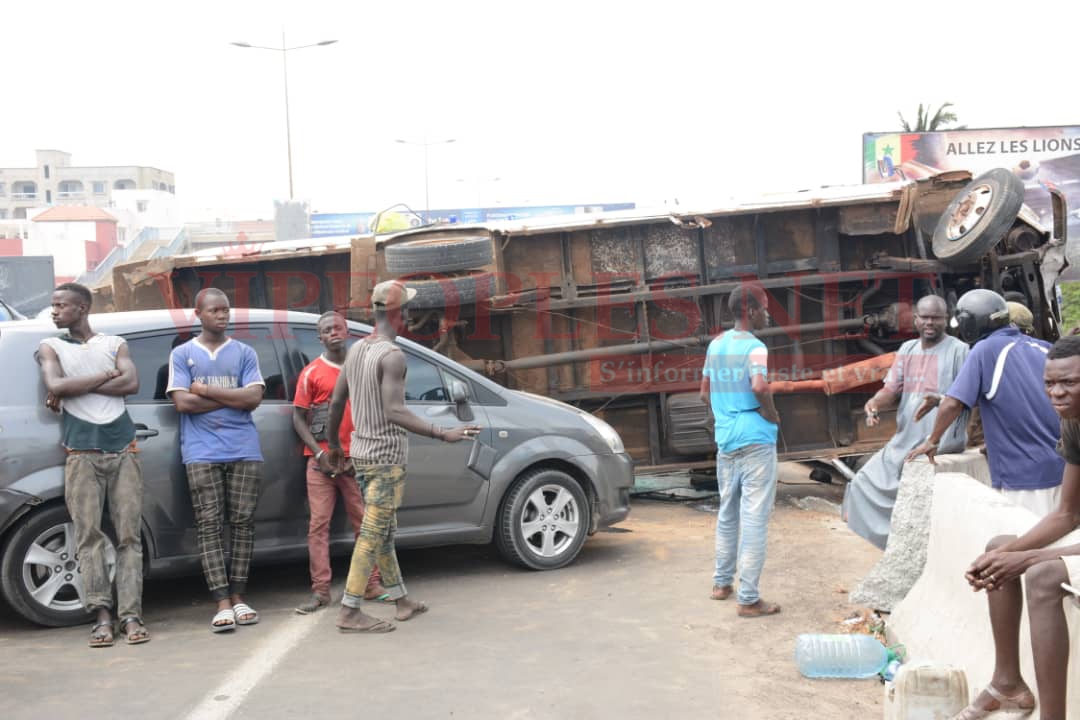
(747, 480)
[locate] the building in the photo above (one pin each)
(55, 181)
(78, 237)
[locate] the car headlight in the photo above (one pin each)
(606, 431)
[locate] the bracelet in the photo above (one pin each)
(436, 434)
(319, 454)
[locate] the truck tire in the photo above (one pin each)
(40, 555)
(543, 521)
(459, 290)
(978, 217)
(439, 255)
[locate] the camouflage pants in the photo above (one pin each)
(382, 487)
(89, 480)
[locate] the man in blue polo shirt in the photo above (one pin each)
(215, 384)
(1003, 375)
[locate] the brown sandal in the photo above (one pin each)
(721, 592)
(102, 639)
(758, 609)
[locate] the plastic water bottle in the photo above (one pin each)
(840, 656)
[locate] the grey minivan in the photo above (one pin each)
(541, 476)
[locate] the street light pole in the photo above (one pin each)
(427, 194)
(285, 50)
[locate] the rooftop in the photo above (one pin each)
(74, 213)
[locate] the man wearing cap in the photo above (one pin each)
(373, 382)
(1003, 377)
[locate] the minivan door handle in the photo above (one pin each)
(142, 432)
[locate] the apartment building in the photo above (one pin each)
(55, 181)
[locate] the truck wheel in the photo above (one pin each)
(459, 290)
(543, 521)
(39, 574)
(439, 255)
(978, 217)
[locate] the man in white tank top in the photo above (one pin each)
(87, 375)
(373, 380)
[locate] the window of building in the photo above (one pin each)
(20, 214)
(46, 172)
(99, 187)
(48, 197)
(141, 205)
(3, 213)
(3, 189)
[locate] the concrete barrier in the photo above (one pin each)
(891, 579)
(942, 620)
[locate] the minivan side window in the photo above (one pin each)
(423, 381)
(150, 353)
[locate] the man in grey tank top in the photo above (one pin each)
(373, 380)
(87, 375)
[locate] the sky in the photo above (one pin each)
(552, 102)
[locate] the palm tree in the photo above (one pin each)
(924, 122)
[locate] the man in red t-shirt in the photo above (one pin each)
(310, 408)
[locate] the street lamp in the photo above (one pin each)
(426, 144)
(284, 50)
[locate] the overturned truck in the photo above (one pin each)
(612, 312)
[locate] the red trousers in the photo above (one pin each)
(322, 493)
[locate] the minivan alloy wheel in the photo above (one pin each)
(51, 572)
(40, 576)
(551, 520)
(543, 519)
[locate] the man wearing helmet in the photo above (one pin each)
(1003, 377)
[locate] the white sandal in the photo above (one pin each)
(241, 609)
(216, 625)
(1006, 704)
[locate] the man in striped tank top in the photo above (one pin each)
(87, 375)
(373, 381)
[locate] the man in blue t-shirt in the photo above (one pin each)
(735, 388)
(215, 384)
(1003, 377)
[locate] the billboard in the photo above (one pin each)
(1040, 156)
(359, 223)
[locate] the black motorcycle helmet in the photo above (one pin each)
(979, 313)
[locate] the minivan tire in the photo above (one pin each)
(552, 544)
(53, 523)
(978, 217)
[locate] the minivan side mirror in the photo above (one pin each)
(459, 391)
(459, 394)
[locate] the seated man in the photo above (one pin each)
(1007, 558)
(924, 367)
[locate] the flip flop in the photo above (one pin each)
(383, 598)
(97, 640)
(226, 614)
(139, 636)
(380, 627)
(245, 609)
(760, 609)
(1006, 703)
(420, 608)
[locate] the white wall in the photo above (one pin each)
(65, 241)
(160, 210)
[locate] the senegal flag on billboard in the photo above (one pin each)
(884, 154)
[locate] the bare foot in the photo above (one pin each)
(407, 609)
(721, 592)
(758, 609)
(354, 620)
